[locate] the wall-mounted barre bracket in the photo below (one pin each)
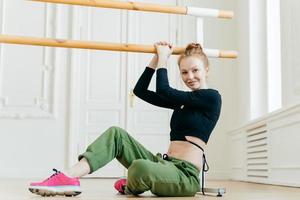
(194, 11)
(25, 40)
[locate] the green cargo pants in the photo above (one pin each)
(163, 177)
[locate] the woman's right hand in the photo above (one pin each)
(163, 51)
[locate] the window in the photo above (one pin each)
(264, 57)
(274, 55)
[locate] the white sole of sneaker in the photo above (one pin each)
(53, 191)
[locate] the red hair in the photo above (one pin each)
(194, 49)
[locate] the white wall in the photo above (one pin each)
(43, 142)
(283, 129)
(33, 91)
(290, 42)
(232, 77)
(290, 30)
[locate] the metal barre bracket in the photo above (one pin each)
(218, 191)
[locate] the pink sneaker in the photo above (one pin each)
(57, 184)
(120, 185)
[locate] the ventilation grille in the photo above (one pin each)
(257, 153)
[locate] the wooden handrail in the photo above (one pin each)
(195, 11)
(51, 42)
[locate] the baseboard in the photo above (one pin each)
(25, 173)
(217, 175)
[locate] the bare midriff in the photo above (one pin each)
(186, 151)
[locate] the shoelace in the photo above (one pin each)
(56, 173)
(123, 188)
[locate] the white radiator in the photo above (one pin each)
(257, 152)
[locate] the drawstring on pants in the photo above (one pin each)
(205, 166)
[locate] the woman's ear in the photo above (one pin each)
(207, 71)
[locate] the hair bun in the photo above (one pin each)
(193, 48)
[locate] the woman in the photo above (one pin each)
(176, 173)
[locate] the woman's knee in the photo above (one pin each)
(115, 131)
(139, 168)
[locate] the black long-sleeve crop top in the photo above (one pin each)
(195, 113)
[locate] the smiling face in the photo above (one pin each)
(193, 72)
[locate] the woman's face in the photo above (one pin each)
(193, 72)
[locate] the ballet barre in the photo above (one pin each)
(93, 45)
(148, 7)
